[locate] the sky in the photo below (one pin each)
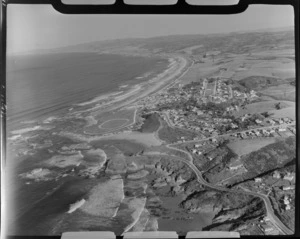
(34, 27)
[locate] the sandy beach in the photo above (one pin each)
(154, 85)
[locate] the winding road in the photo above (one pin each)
(244, 131)
(270, 212)
(189, 160)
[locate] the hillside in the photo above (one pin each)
(225, 43)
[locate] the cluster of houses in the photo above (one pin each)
(179, 119)
(152, 101)
(204, 121)
(238, 94)
(267, 227)
(279, 121)
(235, 165)
(223, 92)
(270, 132)
(204, 147)
(289, 176)
(287, 202)
(242, 95)
(255, 133)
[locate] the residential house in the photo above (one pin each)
(291, 187)
(282, 129)
(289, 176)
(276, 174)
(258, 180)
(266, 228)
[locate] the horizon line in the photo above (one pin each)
(155, 36)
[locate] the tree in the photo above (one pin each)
(278, 106)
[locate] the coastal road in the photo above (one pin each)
(244, 131)
(270, 212)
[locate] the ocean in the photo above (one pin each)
(44, 85)
(40, 86)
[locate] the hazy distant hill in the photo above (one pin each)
(233, 42)
(237, 42)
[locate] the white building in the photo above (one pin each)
(289, 176)
(257, 180)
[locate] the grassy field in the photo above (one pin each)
(192, 75)
(147, 139)
(114, 123)
(278, 67)
(112, 147)
(260, 107)
(210, 89)
(289, 112)
(281, 92)
(242, 147)
(111, 121)
(172, 135)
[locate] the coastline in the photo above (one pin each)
(100, 78)
(141, 90)
(135, 93)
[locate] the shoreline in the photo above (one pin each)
(141, 90)
(71, 103)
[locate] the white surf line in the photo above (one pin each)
(138, 87)
(176, 79)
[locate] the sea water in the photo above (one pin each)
(43, 85)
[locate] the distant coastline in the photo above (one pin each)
(47, 85)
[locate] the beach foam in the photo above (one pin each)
(38, 174)
(15, 137)
(76, 205)
(49, 119)
(26, 130)
(99, 98)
